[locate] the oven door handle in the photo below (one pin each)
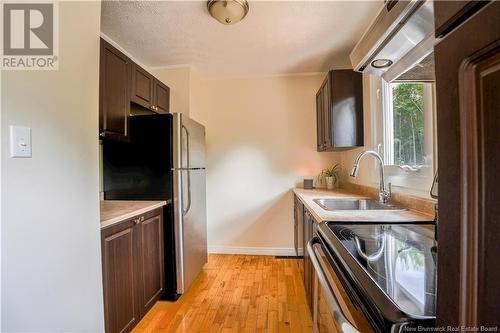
(342, 323)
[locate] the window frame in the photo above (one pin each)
(416, 177)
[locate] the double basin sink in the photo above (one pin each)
(354, 204)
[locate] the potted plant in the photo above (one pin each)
(330, 176)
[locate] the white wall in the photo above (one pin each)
(50, 237)
(261, 142)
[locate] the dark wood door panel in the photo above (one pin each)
(114, 101)
(152, 261)
(339, 111)
(327, 113)
(468, 109)
(480, 132)
(142, 87)
(346, 89)
(319, 120)
(119, 275)
(448, 14)
(162, 97)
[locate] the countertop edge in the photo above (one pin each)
(123, 217)
(407, 215)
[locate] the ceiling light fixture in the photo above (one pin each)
(228, 11)
(381, 63)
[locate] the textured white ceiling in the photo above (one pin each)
(276, 37)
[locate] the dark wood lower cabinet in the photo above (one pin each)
(152, 261)
(132, 262)
(309, 229)
(119, 262)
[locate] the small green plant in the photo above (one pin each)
(333, 172)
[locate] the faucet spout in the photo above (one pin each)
(384, 194)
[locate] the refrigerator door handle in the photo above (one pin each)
(188, 152)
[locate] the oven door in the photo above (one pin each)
(333, 309)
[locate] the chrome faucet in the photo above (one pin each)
(383, 193)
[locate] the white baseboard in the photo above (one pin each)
(263, 251)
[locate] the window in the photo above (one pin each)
(408, 133)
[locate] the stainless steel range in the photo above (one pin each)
(374, 277)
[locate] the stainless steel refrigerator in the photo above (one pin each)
(189, 198)
(165, 160)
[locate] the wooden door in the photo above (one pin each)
(119, 263)
(151, 261)
(142, 87)
(468, 120)
(162, 97)
(114, 100)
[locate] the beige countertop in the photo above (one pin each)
(114, 211)
(319, 214)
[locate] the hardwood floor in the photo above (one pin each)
(237, 293)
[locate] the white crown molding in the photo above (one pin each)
(121, 49)
(263, 251)
(179, 66)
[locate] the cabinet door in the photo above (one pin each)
(114, 100)
(142, 87)
(162, 97)
(307, 260)
(151, 261)
(119, 264)
(319, 121)
(308, 268)
(346, 109)
(468, 107)
(327, 114)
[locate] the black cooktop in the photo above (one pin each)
(399, 259)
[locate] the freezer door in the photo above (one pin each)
(189, 143)
(191, 226)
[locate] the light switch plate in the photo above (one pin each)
(20, 141)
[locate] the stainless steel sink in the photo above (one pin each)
(354, 204)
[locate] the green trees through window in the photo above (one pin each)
(408, 122)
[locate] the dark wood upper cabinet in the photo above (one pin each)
(339, 108)
(319, 120)
(162, 97)
(133, 273)
(148, 91)
(467, 63)
(142, 87)
(114, 101)
(121, 83)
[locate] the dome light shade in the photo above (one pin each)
(228, 11)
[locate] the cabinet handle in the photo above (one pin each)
(141, 219)
(156, 108)
(136, 221)
(102, 134)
